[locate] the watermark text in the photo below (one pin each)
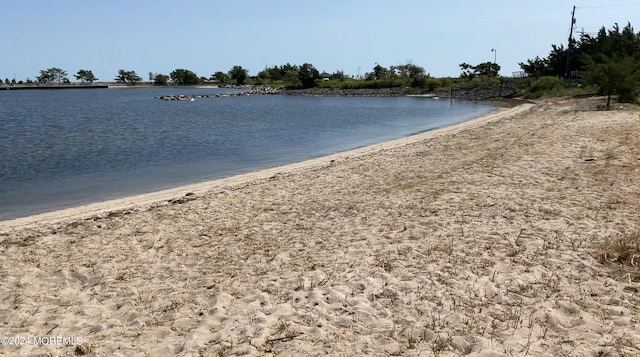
(18, 340)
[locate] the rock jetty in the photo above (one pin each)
(246, 91)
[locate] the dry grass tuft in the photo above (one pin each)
(623, 251)
(83, 349)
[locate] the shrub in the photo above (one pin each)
(621, 251)
(359, 84)
(553, 87)
(546, 84)
(432, 84)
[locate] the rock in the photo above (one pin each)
(251, 90)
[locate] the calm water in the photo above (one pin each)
(62, 148)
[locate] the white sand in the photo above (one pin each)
(471, 240)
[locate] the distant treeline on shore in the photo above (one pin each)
(606, 63)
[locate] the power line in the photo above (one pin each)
(607, 6)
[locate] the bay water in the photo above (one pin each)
(63, 148)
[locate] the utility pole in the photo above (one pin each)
(573, 22)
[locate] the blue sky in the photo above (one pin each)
(206, 36)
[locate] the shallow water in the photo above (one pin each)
(61, 148)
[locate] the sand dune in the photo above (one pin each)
(474, 240)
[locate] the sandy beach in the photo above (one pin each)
(480, 239)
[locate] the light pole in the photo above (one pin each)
(358, 72)
(495, 54)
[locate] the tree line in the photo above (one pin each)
(287, 75)
(57, 75)
(180, 76)
(609, 60)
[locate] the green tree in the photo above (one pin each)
(409, 70)
(468, 71)
(159, 79)
(536, 67)
(379, 73)
(220, 77)
(51, 75)
(415, 74)
(287, 73)
(238, 74)
(554, 64)
(611, 43)
(263, 76)
(561, 61)
(308, 75)
(486, 69)
(617, 75)
(85, 75)
(184, 77)
(127, 77)
(338, 76)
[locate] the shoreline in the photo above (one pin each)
(492, 238)
(143, 201)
